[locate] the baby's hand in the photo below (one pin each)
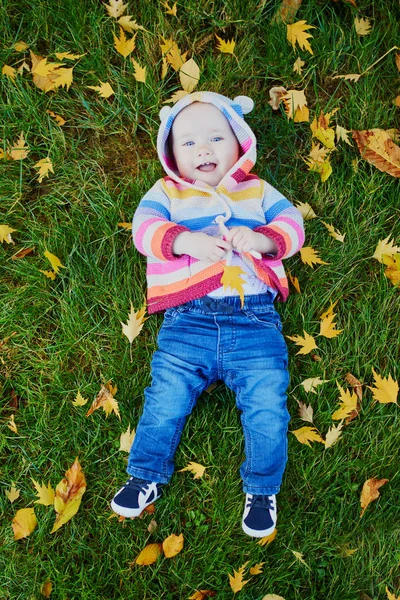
(244, 239)
(201, 246)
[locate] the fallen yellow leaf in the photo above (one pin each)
(348, 404)
(309, 256)
(122, 45)
(5, 234)
(268, 539)
(104, 89)
(116, 8)
(79, 400)
(370, 492)
(45, 494)
(134, 324)
(149, 554)
(231, 278)
(305, 435)
(68, 495)
(172, 545)
(24, 523)
(333, 434)
(12, 494)
(385, 247)
(236, 580)
(297, 33)
(189, 75)
(195, 468)
(139, 72)
(363, 26)
(225, 46)
(385, 390)
(126, 440)
(307, 342)
(105, 400)
(44, 166)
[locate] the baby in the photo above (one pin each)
(207, 214)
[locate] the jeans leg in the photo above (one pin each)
(179, 375)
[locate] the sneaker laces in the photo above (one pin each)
(137, 484)
(258, 501)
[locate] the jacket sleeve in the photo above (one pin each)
(284, 222)
(152, 230)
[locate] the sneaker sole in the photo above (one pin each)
(257, 533)
(126, 512)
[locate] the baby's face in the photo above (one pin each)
(204, 145)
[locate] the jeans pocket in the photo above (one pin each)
(270, 319)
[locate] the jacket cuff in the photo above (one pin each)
(276, 237)
(168, 241)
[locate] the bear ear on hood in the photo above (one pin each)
(164, 112)
(245, 103)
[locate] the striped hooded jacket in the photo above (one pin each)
(174, 205)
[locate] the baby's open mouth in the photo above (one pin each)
(207, 167)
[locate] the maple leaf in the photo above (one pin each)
(302, 115)
(297, 33)
(195, 468)
(306, 210)
(294, 100)
(225, 46)
(105, 400)
(170, 10)
(5, 234)
(172, 54)
(129, 25)
(104, 89)
(58, 119)
(385, 390)
(139, 73)
(189, 75)
(64, 78)
(236, 580)
(45, 494)
(268, 539)
(124, 46)
(327, 327)
(149, 554)
(11, 425)
(116, 8)
(134, 324)
(68, 495)
(12, 494)
(305, 435)
(55, 263)
(393, 268)
(311, 383)
(79, 400)
(68, 56)
(318, 161)
(298, 65)
(257, 569)
(299, 557)
(385, 247)
(294, 281)
(341, 134)
(363, 26)
(44, 166)
(370, 492)
(349, 77)
(126, 440)
(44, 83)
(24, 523)
(348, 404)
(377, 147)
(307, 342)
(19, 151)
(390, 595)
(333, 435)
(334, 233)
(309, 256)
(9, 72)
(321, 130)
(176, 96)
(231, 278)
(172, 545)
(44, 69)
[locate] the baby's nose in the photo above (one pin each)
(204, 150)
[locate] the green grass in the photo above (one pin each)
(68, 333)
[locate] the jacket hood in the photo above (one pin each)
(233, 111)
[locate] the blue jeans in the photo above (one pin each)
(199, 343)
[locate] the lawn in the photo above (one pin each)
(62, 336)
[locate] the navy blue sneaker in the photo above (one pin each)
(259, 515)
(135, 496)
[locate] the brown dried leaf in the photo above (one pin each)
(376, 147)
(370, 492)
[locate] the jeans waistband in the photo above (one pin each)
(230, 304)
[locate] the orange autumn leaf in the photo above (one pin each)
(105, 400)
(370, 492)
(68, 495)
(149, 554)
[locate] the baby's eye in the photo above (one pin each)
(217, 138)
(188, 143)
